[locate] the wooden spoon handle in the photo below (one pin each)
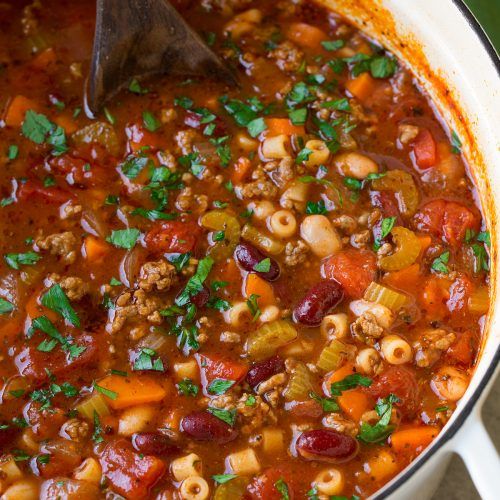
(136, 38)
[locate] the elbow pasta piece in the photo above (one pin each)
(187, 466)
(283, 224)
(24, 489)
(368, 361)
(238, 315)
(272, 440)
(385, 317)
(187, 369)
(334, 326)
(275, 148)
(90, 470)
(261, 209)
(329, 482)
(9, 471)
(318, 232)
(136, 419)
(269, 313)
(355, 165)
(396, 350)
(449, 384)
(319, 153)
(194, 488)
(244, 462)
(295, 196)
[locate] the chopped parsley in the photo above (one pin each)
(195, 283)
(282, 487)
(381, 430)
(133, 165)
(349, 382)
(439, 264)
(150, 121)
(316, 207)
(328, 404)
(57, 300)
(456, 143)
(12, 152)
(136, 88)
(219, 386)
(39, 129)
(106, 392)
(223, 478)
(187, 387)
(227, 416)
(332, 44)
(254, 306)
(263, 266)
(124, 238)
(148, 360)
(5, 306)
(14, 260)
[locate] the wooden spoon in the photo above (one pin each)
(137, 38)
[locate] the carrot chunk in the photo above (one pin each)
(132, 390)
(255, 285)
(413, 439)
(96, 249)
(306, 35)
(361, 87)
(283, 126)
(16, 110)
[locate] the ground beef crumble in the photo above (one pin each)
(59, 244)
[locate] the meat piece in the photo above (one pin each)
(130, 474)
(261, 187)
(366, 329)
(431, 344)
(295, 253)
(407, 133)
(281, 173)
(185, 140)
(227, 7)
(159, 275)
(69, 210)
(59, 244)
(187, 201)
(75, 429)
(337, 422)
(345, 223)
(256, 415)
(288, 56)
(74, 287)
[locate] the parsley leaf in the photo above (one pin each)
(57, 300)
(124, 238)
(195, 283)
(153, 214)
(332, 44)
(39, 129)
(256, 126)
(456, 143)
(282, 487)
(145, 361)
(298, 116)
(228, 416)
(349, 382)
(14, 260)
(386, 227)
(327, 404)
(439, 263)
(254, 306)
(150, 121)
(133, 165)
(179, 260)
(5, 306)
(219, 386)
(187, 387)
(223, 478)
(316, 207)
(381, 430)
(107, 392)
(263, 266)
(135, 87)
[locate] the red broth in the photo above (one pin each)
(270, 292)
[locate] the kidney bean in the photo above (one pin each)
(264, 369)
(317, 302)
(248, 257)
(326, 445)
(203, 426)
(201, 298)
(153, 443)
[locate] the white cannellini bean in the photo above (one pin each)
(318, 232)
(135, 419)
(355, 165)
(449, 384)
(385, 317)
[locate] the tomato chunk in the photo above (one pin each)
(265, 486)
(448, 220)
(353, 269)
(33, 363)
(131, 474)
(214, 367)
(462, 351)
(172, 237)
(424, 149)
(34, 190)
(401, 382)
(139, 137)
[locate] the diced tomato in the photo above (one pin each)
(305, 409)
(172, 237)
(460, 291)
(353, 269)
(131, 474)
(263, 487)
(433, 297)
(424, 149)
(401, 382)
(462, 351)
(446, 219)
(139, 137)
(46, 422)
(36, 364)
(80, 170)
(215, 367)
(34, 190)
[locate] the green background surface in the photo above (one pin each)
(488, 14)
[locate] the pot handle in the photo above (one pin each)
(480, 456)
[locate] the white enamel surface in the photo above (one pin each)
(455, 53)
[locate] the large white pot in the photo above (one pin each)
(454, 61)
